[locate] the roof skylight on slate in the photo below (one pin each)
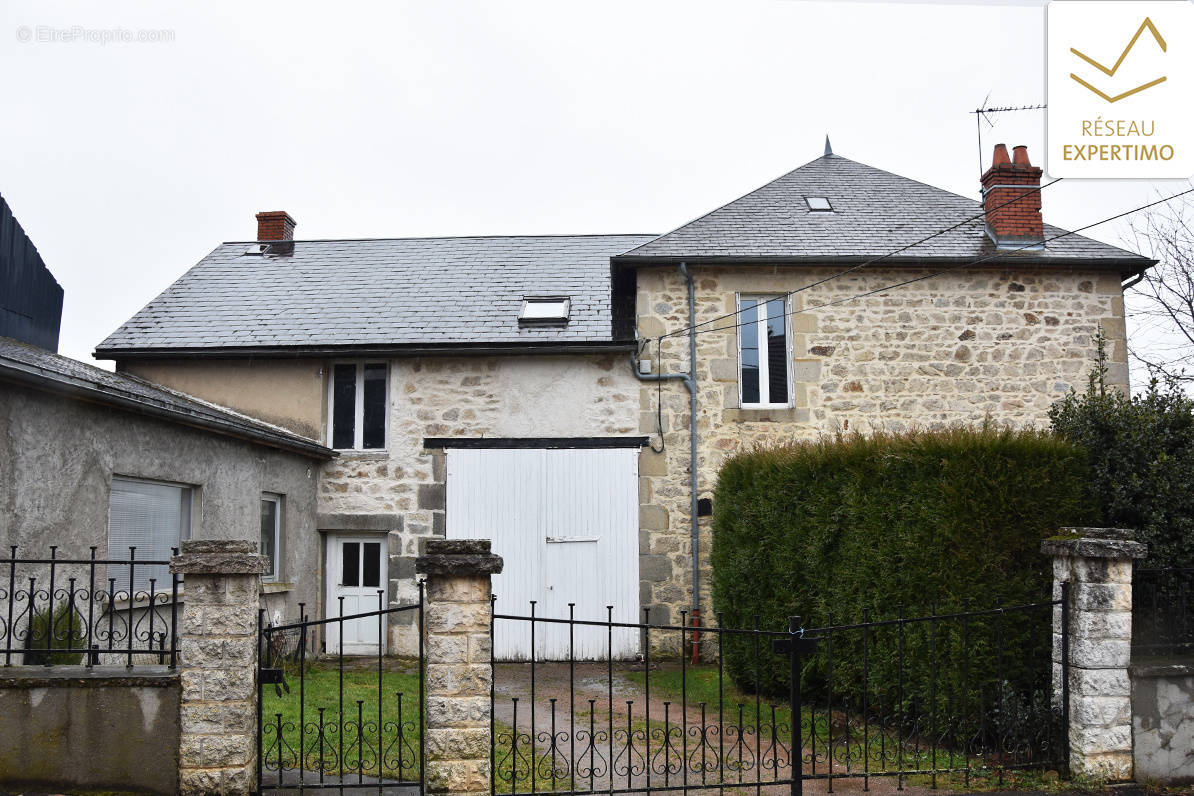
(545, 310)
(818, 204)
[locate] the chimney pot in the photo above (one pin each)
(274, 225)
(1012, 199)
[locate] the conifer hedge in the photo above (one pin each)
(890, 522)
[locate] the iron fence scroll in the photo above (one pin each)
(309, 739)
(90, 611)
(899, 697)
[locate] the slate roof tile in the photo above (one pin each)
(382, 292)
(874, 213)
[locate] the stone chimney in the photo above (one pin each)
(1016, 181)
(275, 225)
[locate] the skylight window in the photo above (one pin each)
(545, 309)
(257, 249)
(818, 204)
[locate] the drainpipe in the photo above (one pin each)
(692, 466)
(689, 380)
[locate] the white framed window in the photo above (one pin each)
(764, 352)
(357, 405)
(152, 516)
(271, 534)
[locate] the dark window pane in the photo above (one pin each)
(344, 405)
(269, 525)
(777, 351)
(374, 426)
(372, 564)
(351, 564)
(749, 335)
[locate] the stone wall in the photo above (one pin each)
(546, 396)
(1163, 722)
(956, 348)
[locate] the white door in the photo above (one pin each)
(566, 523)
(356, 574)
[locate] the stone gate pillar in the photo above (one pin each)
(1097, 565)
(456, 625)
(218, 737)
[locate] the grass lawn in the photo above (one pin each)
(357, 733)
(881, 751)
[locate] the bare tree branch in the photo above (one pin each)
(1163, 337)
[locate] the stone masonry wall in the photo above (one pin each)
(542, 396)
(955, 348)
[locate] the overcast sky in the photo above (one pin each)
(128, 162)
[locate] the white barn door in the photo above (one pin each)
(566, 523)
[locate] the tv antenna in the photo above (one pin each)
(980, 116)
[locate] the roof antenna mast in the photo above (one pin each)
(980, 116)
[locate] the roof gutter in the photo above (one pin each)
(998, 260)
(297, 352)
(49, 381)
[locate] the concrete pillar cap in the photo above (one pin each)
(458, 557)
(1115, 543)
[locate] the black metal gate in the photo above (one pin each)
(336, 722)
(932, 700)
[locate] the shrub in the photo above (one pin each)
(1141, 453)
(61, 632)
(856, 524)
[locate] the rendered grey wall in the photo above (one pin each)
(105, 729)
(58, 456)
(1163, 722)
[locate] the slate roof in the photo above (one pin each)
(432, 292)
(874, 212)
(44, 370)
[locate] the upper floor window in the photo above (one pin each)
(763, 359)
(357, 406)
(152, 517)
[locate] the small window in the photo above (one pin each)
(818, 204)
(152, 517)
(763, 351)
(548, 309)
(357, 406)
(271, 533)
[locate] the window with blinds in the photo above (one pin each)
(152, 517)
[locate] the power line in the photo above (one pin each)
(952, 267)
(852, 269)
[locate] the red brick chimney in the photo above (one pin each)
(1017, 181)
(275, 225)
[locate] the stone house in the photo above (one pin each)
(572, 397)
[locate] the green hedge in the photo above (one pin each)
(877, 523)
(1141, 451)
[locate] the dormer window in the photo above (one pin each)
(818, 204)
(545, 310)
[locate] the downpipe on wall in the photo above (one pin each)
(689, 380)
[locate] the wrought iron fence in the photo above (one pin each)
(1163, 612)
(89, 611)
(338, 721)
(861, 706)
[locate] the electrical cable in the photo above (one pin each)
(967, 264)
(873, 260)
